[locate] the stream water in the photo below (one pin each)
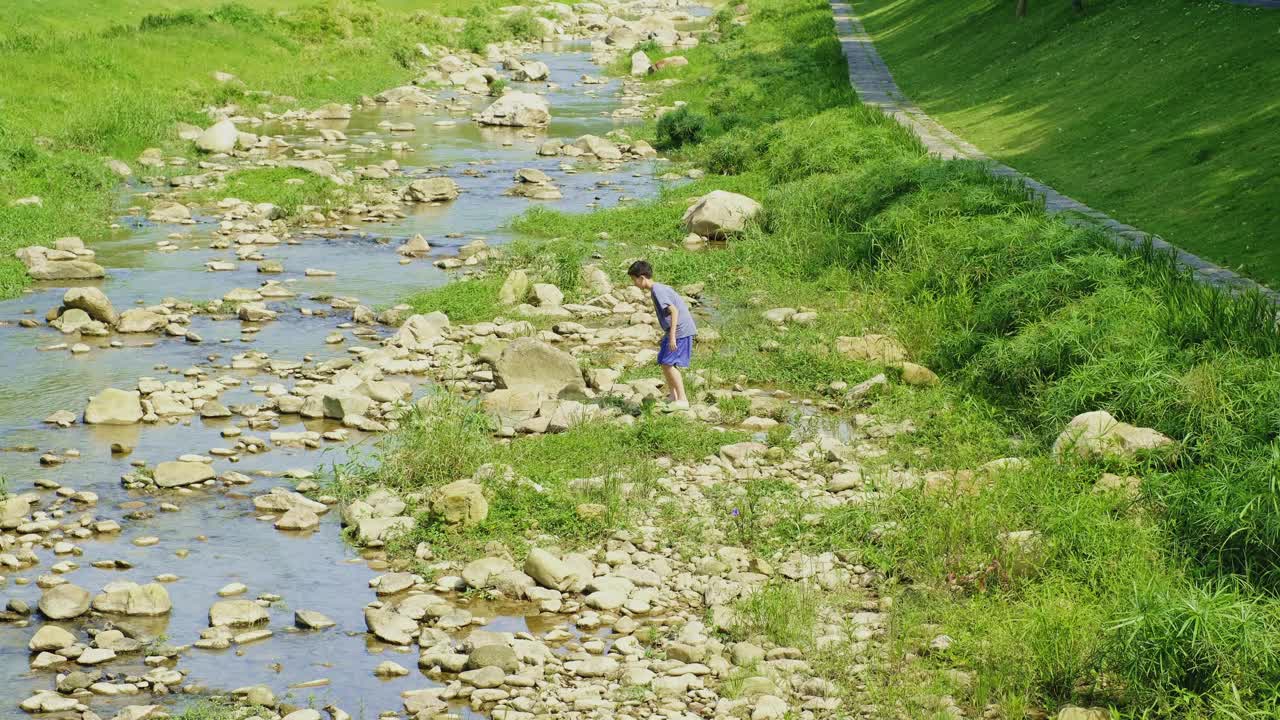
(225, 541)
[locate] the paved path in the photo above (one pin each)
(876, 87)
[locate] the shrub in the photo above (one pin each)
(680, 127)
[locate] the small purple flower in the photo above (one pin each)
(735, 512)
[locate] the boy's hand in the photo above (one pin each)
(671, 344)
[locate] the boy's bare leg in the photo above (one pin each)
(675, 382)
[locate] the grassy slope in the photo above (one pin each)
(108, 83)
(1161, 606)
(1161, 114)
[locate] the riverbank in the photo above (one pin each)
(163, 538)
(118, 88)
(1139, 583)
(1173, 141)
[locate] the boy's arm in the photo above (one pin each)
(674, 313)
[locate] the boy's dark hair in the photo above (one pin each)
(640, 268)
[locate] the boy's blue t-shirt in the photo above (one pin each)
(664, 297)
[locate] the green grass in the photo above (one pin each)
(1159, 606)
(452, 439)
(1159, 114)
(82, 83)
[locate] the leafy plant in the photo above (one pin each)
(680, 127)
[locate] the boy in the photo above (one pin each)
(676, 347)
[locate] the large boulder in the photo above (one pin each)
(420, 333)
(180, 473)
(63, 602)
(530, 365)
(517, 109)
(221, 137)
(432, 189)
(114, 407)
(719, 214)
(1097, 435)
(460, 503)
(129, 598)
(93, 301)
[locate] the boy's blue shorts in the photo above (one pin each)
(680, 356)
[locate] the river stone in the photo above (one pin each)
(601, 667)
(547, 295)
(387, 668)
(511, 407)
(96, 656)
(179, 473)
(872, 348)
(919, 375)
(769, 707)
(547, 570)
(114, 407)
(133, 599)
(230, 613)
(304, 714)
(51, 638)
(64, 602)
(338, 405)
(488, 677)
(530, 365)
(517, 109)
(720, 214)
(93, 301)
(602, 148)
(74, 269)
(530, 71)
(298, 519)
(48, 702)
(140, 320)
(169, 212)
(214, 409)
(312, 620)
(499, 656)
(1097, 434)
(281, 500)
(389, 626)
(515, 288)
(432, 189)
(379, 529)
(480, 573)
(14, 509)
(420, 332)
(417, 245)
(460, 503)
(640, 65)
(220, 137)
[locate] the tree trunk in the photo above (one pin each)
(1022, 8)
